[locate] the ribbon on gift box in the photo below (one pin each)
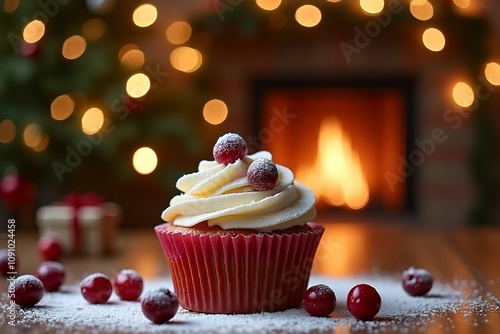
(76, 201)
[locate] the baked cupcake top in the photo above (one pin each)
(240, 191)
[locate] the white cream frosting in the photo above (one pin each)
(221, 195)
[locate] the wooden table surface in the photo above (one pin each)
(347, 249)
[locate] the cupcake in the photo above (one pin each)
(239, 238)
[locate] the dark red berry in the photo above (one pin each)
(28, 290)
(416, 281)
(96, 288)
(229, 148)
(159, 305)
(8, 262)
(50, 249)
(51, 274)
(128, 284)
(262, 174)
(363, 301)
(319, 300)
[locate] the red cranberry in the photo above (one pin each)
(50, 249)
(319, 300)
(159, 305)
(416, 281)
(96, 288)
(363, 301)
(262, 174)
(229, 148)
(51, 274)
(5, 266)
(128, 284)
(28, 290)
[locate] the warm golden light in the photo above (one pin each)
(133, 59)
(421, 9)
(492, 73)
(372, 6)
(62, 107)
(186, 59)
(93, 29)
(92, 121)
(463, 95)
(268, 4)
(462, 3)
(433, 39)
(215, 111)
(34, 31)
(178, 32)
(336, 176)
(144, 160)
(145, 15)
(32, 135)
(42, 145)
(7, 131)
(10, 5)
(74, 47)
(138, 85)
(308, 16)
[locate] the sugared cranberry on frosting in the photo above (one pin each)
(262, 174)
(229, 148)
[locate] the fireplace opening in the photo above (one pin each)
(341, 139)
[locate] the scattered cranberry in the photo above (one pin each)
(96, 288)
(229, 148)
(416, 281)
(159, 305)
(128, 284)
(5, 266)
(262, 174)
(363, 301)
(50, 249)
(319, 300)
(51, 274)
(28, 290)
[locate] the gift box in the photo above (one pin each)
(82, 224)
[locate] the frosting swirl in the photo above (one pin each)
(221, 195)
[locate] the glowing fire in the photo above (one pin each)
(335, 176)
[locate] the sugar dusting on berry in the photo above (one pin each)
(452, 303)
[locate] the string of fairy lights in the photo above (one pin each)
(187, 59)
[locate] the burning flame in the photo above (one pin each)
(335, 176)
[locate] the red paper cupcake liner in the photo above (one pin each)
(228, 274)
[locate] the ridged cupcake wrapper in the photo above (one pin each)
(242, 273)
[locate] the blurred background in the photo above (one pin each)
(386, 109)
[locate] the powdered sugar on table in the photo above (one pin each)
(67, 311)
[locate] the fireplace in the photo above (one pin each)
(340, 138)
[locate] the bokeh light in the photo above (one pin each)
(463, 95)
(372, 6)
(178, 32)
(186, 59)
(7, 131)
(145, 160)
(145, 15)
(433, 39)
(421, 9)
(268, 4)
(34, 31)
(131, 57)
(62, 107)
(308, 15)
(215, 111)
(93, 29)
(74, 47)
(138, 85)
(92, 121)
(492, 73)
(32, 135)
(42, 145)
(462, 3)
(10, 5)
